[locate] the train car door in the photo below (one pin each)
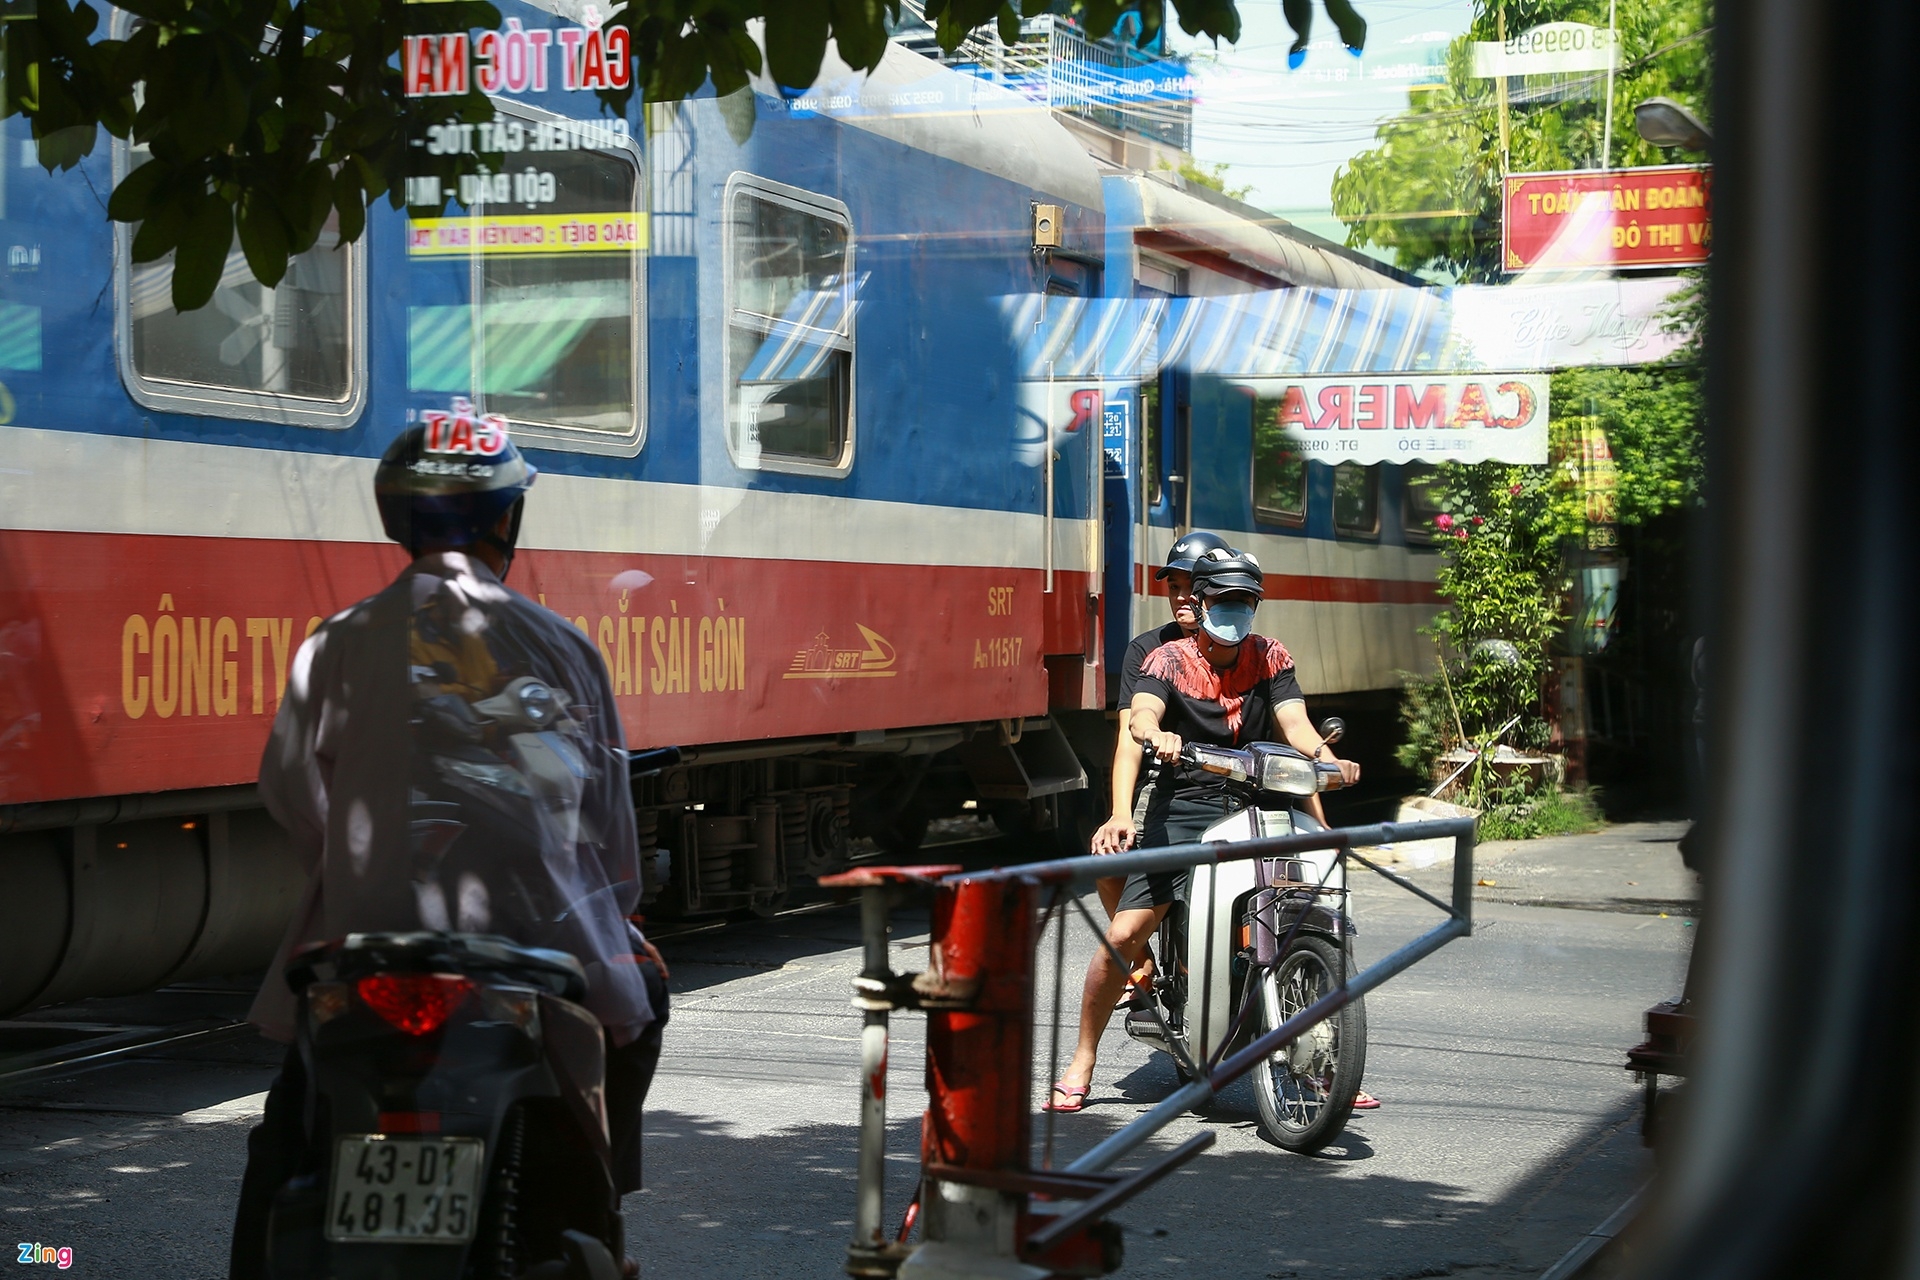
(1073, 462)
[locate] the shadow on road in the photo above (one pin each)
(720, 1205)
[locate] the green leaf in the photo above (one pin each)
(796, 41)
(308, 205)
(1353, 28)
(132, 199)
(350, 204)
(737, 111)
(859, 32)
(201, 257)
(1300, 17)
(263, 238)
(1007, 22)
(158, 234)
(1101, 15)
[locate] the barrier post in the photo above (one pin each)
(979, 1000)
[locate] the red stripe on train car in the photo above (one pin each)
(146, 663)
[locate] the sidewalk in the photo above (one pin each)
(1632, 867)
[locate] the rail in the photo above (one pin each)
(978, 1192)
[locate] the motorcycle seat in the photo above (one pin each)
(474, 954)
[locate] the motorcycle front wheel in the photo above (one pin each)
(1306, 1089)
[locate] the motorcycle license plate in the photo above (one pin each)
(418, 1190)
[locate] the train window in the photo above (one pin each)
(1422, 502)
(1279, 473)
(1356, 500)
(295, 353)
(554, 341)
(790, 296)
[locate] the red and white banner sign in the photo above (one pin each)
(1367, 418)
(1650, 217)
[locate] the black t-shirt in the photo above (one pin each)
(1143, 644)
(1225, 708)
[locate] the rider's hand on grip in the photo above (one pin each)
(1165, 746)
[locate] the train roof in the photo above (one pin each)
(964, 118)
(1253, 237)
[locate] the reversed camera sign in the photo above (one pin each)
(1367, 418)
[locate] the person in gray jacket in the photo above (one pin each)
(408, 815)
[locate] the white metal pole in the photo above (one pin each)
(1613, 61)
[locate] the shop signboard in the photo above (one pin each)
(1606, 219)
(1552, 48)
(1375, 417)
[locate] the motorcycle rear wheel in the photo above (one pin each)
(1306, 1090)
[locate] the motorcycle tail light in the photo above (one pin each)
(416, 1003)
(325, 1002)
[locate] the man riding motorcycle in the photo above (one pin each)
(384, 721)
(1222, 685)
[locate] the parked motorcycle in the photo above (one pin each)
(455, 1102)
(1254, 942)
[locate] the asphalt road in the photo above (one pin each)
(1508, 1129)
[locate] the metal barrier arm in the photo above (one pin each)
(1178, 857)
(1458, 924)
(978, 994)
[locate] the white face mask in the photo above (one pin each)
(1228, 621)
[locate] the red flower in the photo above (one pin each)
(1460, 533)
(1479, 520)
(1514, 491)
(1443, 522)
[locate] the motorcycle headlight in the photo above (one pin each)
(1288, 775)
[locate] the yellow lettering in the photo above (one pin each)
(739, 653)
(196, 666)
(658, 680)
(604, 642)
(226, 671)
(257, 631)
(706, 655)
(623, 658)
(133, 689)
(166, 665)
(282, 638)
(639, 653)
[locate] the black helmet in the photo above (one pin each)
(1187, 548)
(447, 480)
(1224, 569)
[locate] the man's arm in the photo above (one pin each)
(1297, 728)
(1144, 726)
(1116, 834)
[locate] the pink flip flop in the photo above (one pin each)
(1076, 1099)
(1364, 1101)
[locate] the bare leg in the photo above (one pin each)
(1129, 934)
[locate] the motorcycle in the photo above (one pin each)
(455, 1107)
(1254, 942)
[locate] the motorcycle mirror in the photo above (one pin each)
(1333, 729)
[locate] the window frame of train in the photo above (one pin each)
(1371, 472)
(184, 394)
(626, 441)
(1416, 519)
(740, 188)
(1262, 512)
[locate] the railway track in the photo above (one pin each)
(46, 1044)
